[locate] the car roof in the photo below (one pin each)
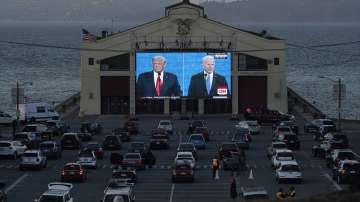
(278, 142)
(53, 192)
(283, 150)
(289, 163)
(184, 153)
(347, 161)
(32, 151)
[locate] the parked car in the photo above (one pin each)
(57, 191)
(93, 128)
(73, 172)
(346, 171)
(58, 127)
(241, 139)
(273, 146)
(204, 131)
(87, 158)
(187, 147)
(233, 161)
(138, 146)
(112, 142)
(326, 147)
(134, 160)
(325, 129)
(13, 149)
(120, 173)
(253, 193)
(3, 195)
(166, 125)
(242, 134)
(252, 125)
(198, 141)
(281, 129)
(96, 148)
(70, 141)
(182, 171)
(294, 128)
(338, 137)
(280, 155)
(267, 116)
(316, 123)
(288, 171)
(33, 159)
(35, 128)
(24, 137)
(51, 149)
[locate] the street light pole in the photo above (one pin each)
(17, 103)
(339, 105)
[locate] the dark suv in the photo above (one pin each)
(70, 141)
(51, 149)
(290, 139)
(111, 142)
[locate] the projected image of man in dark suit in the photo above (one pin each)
(157, 82)
(208, 83)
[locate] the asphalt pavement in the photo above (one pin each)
(155, 183)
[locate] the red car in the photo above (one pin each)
(133, 160)
(73, 172)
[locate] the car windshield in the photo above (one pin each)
(164, 123)
(132, 156)
(284, 129)
(51, 198)
(196, 137)
(346, 155)
(72, 167)
(115, 198)
(85, 154)
(286, 155)
(4, 144)
(46, 145)
(30, 154)
(185, 156)
(256, 196)
(290, 168)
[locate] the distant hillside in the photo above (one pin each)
(143, 10)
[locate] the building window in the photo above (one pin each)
(276, 61)
(91, 61)
(251, 63)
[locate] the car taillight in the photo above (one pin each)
(62, 172)
(343, 172)
(81, 172)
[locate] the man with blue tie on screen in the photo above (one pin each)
(157, 82)
(208, 83)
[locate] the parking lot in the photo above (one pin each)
(155, 184)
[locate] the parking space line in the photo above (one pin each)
(172, 192)
(16, 183)
(327, 176)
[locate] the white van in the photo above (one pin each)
(38, 111)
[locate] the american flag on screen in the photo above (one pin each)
(87, 36)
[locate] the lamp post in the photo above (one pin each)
(339, 96)
(17, 95)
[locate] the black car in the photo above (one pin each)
(341, 138)
(3, 196)
(193, 124)
(129, 173)
(70, 141)
(51, 149)
(96, 148)
(291, 140)
(112, 142)
(123, 134)
(233, 161)
(291, 124)
(346, 171)
(159, 141)
(182, 171)
(226, 148)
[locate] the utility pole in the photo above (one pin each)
(339, 105)
(17, 102)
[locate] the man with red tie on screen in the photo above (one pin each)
(157, 83)
(208, 83)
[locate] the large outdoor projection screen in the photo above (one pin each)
(183, 74)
